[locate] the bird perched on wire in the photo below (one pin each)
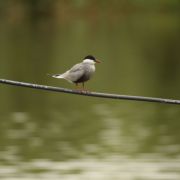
(80, 73)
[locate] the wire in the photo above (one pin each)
(92, 94)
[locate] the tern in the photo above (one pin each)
(81, 72)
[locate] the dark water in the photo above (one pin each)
(45, 135)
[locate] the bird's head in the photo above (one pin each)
(91, 59)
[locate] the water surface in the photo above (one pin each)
(47, 135)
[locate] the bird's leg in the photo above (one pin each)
(81, 89)
(78, 88)
(85, 90)
(83, 85)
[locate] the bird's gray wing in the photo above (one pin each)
(76, 72)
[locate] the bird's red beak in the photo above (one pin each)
(97, 61)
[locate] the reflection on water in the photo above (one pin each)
(58, 136)
(118, 146)
(111, 167)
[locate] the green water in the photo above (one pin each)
(47, 135)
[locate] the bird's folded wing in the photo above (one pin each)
(76, 72)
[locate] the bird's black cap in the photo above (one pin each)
(90, 57)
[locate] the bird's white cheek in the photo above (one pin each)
(89, 61)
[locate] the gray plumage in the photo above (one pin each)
(81, 72)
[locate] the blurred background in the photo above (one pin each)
(47, 135)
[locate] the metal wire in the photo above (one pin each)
(92, 94)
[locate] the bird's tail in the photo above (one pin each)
(55, 75)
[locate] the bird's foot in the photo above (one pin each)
(83, 91)
(86, 91)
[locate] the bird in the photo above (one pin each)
(81, 72)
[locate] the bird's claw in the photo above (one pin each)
(85, 91)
